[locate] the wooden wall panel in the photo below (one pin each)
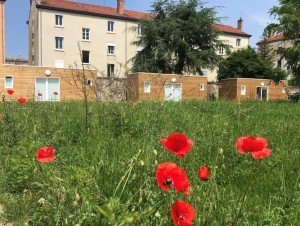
(24, 81)
(231, 89)
(190, 86)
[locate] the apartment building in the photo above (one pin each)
(276, 42)
(235, 37)
(2, 33)
(62, 33)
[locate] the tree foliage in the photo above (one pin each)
(264, 49)
(178, 39)
(288, 15)
(247, 63)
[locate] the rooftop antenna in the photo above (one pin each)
(241, 14)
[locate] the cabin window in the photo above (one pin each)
(201, 87)
(147, 87)
(243, 90)
(9, 82)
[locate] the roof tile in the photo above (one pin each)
(73, 6)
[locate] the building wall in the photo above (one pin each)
(274, 46)
(71, 31)
(231, 89)
(2, 33)
(190, 86)
(228, 89)
(33, 35)
(229, 40)
(24, 81)
(42, 45)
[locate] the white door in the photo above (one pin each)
(47, 89)
(173, 91)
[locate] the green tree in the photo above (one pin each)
(288, 15)
(247, 63)
(264, 49)
(179, 38)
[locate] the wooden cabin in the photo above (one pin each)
(165, 87)
(46, 84)
(249, 88)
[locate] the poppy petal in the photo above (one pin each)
(262, 154)
(46, 159)
(182, 213)
(168, 175)
(239, 142)
(178, 144)
(203, 173)
(45, 154)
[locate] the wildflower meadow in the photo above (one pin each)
(149, 163)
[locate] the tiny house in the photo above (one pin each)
(249, 88)
(165, 87)
(46, 84)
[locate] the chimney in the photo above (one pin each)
(240, 24)
(120, 7)
(2, 33)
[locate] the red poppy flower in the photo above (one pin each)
(39, 94)
(178, 144)
(183, 213)
(10, 91)
(168, 175)
(256, 146)
(203, 173)
(45, 154)
(55, 93)
(22, 100)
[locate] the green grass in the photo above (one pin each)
(105, 171)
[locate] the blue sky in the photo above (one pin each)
(254, 13)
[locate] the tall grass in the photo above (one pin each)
(106, 175)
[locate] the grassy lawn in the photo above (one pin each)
(104, 173)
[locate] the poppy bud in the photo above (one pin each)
(203, 173)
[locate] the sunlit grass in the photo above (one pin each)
(104, 172)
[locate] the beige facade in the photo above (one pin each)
(58, 37)
(58, 33)
(236, 42)
(276, 42)
(2, 33)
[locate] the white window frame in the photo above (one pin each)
(238, 42)
(88, 57)
(6, 83)
(61, 42)
(89, 82)
(221, 50)
(243, 90)
(147, 87)
(139, 30)
(110, 26)
(110, 72)
(85, 34)
(59, 22)
(111, 49)
(56, 98)
(201, 87)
